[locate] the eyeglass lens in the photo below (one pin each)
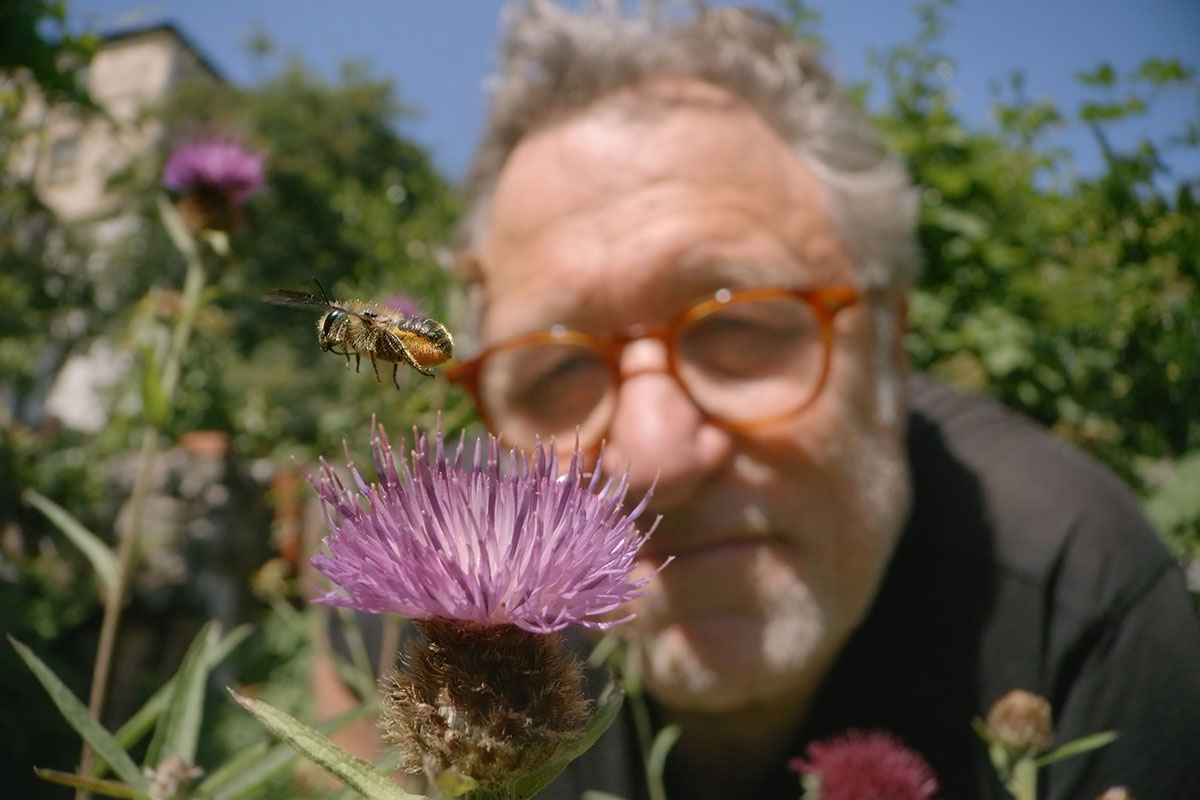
(739, 362)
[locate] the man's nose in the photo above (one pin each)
(657, 432)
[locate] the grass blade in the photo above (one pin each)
(77, 717)
(178, 728)
(94, 785)
(101, 556)
(145, 717)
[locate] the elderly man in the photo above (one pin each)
(688, 244)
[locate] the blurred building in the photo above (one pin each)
(72, 156)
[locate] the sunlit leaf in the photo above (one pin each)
(254, 766)
(375, 785)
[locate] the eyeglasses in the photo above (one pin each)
(746, 358)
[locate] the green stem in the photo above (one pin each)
(193, 287)
(1023, 783)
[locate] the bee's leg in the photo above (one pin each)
(395, 367)
(412, 362)
(355, 361)
(374, 366)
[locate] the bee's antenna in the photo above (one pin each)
(324, 294)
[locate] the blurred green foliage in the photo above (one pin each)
(1072, 298)
(349, 202)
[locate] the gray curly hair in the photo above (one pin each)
(555, 61)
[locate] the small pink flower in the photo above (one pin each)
(455, 537)
(866, 765)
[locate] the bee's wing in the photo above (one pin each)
(287, 297)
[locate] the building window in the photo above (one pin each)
(64, 157)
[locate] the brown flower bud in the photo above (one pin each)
(1020, 721)
(491, 703)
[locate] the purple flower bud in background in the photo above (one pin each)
(215, 177)
(405, 305)
(223, 165)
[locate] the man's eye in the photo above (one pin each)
(746, 342)
(558, 383)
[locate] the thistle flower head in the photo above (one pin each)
(403, 304)
(865, 764)
(214, 177)
(456, 537)
(222, 165)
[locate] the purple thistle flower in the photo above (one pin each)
(404, 304)
(465, 541)
(220, 165)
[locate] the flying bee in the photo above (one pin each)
(358, 328)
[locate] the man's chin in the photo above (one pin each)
(728, 661)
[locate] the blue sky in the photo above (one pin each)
(439, 51)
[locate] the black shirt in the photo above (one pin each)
(1024, 564)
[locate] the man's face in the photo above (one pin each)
(627, 213)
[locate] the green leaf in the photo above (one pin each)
(1077, 746)
(145, 717)
(453, 783)
(178, 728)
(1022, 782)
(608, 706)
(102, 557)
(375, 785)
(656, 759)
(253, 767)
(154, 399)
(1104, 76)
(93, 785)
(244, 762)
(1177, 501)
(1159, 71)
(77, 717)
